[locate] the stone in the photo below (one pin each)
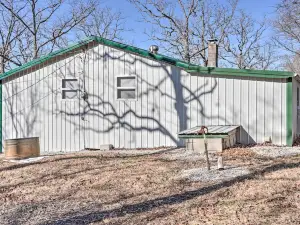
(106, 147)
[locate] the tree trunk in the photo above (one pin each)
(1, 65)
(187, 56)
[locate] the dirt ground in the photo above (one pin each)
(115, 188)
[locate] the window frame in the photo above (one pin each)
(126, 88)
(68, 89)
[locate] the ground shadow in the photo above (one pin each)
(78, 156)
(146, 206)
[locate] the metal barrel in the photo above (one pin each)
(21, 148)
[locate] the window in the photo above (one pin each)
(69, 88)
(126, 87)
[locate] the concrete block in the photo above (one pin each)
(106, 147)
(213, 144)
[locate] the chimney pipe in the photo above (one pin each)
(212, 53)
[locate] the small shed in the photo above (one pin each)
(218, 137)
(101, 92)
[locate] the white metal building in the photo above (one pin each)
(103, 92)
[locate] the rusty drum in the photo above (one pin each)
(22, 148)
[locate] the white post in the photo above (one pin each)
(206, 152)
(220, 163)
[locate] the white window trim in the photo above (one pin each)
(68, 89)
(126, 88)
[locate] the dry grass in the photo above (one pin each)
(109, 188)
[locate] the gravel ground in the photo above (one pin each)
(173, 153)
(204, 175)
(230, 171)
(274, 152)
(183, 154)
(121, 187)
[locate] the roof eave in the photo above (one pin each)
(199, 71)
(193, 69)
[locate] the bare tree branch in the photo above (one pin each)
(182, 27)
(103, 22)
(10, 30)
(45, 23)
(244, 44)
(287, 25)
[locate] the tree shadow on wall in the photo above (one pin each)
(165, 117)
(163, 84)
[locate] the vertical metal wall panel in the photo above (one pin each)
(53, 103)
(127, 105)
(295, 85)
(277, 115)
(252, 116)
(221, 102)
(149, 101)
(230, 101)
(122, 106)
(244, 137)
(181, 114)
(268, 106)
(95, 99)
(193, 97)
(255, 104)
(214, 101)
(209, 88)
(168, 100)
(110, 96)
(236, 103)
(201, 108)
(260, 111)
(283, 113)
(138, 104)
(60, 109)
(143, 97)
(45, 140)
(101, 78)
(156, 103)
(88, 105)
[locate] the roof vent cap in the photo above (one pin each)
(153, 49)
(212, 41)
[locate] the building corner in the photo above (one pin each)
(289, 112)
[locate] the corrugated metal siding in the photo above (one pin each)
(169, 100)
(258, 105)
(295, 84)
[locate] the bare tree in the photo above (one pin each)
(103, 22)
(213, 21)
(46, 22)
(292, 63)
(182, 27)
(245, 46)
(287, 26)
(9, 33)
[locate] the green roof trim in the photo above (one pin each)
(193, 136)
(198, 70)
(191, 68)
(145, 53)
(45, 58)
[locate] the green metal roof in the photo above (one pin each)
(191, 68)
